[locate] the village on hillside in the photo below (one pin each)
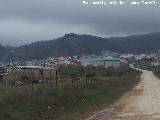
(46, 69)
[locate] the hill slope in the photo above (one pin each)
(73, 44)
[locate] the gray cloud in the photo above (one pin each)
(25, 21)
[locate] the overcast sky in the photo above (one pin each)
(26, 21)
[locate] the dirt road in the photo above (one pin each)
(141, 103)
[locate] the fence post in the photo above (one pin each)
(42, 80)
(32, 87)
(91, 80)
(72, 79)
(56, 80)
(86, 79)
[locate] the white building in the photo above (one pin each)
(29, 73)
(96, 61)
(126, 56)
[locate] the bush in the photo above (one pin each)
(91, 71)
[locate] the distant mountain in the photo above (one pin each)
(5, 51)
(73, 44)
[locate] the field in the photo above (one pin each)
(66, 102)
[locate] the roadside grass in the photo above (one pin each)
(66, 103)
(154, 69)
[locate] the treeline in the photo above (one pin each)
(2, 70)
(92, 71)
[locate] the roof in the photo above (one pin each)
(33, 67)
(99, 58)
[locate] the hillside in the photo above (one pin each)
(73, 44)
